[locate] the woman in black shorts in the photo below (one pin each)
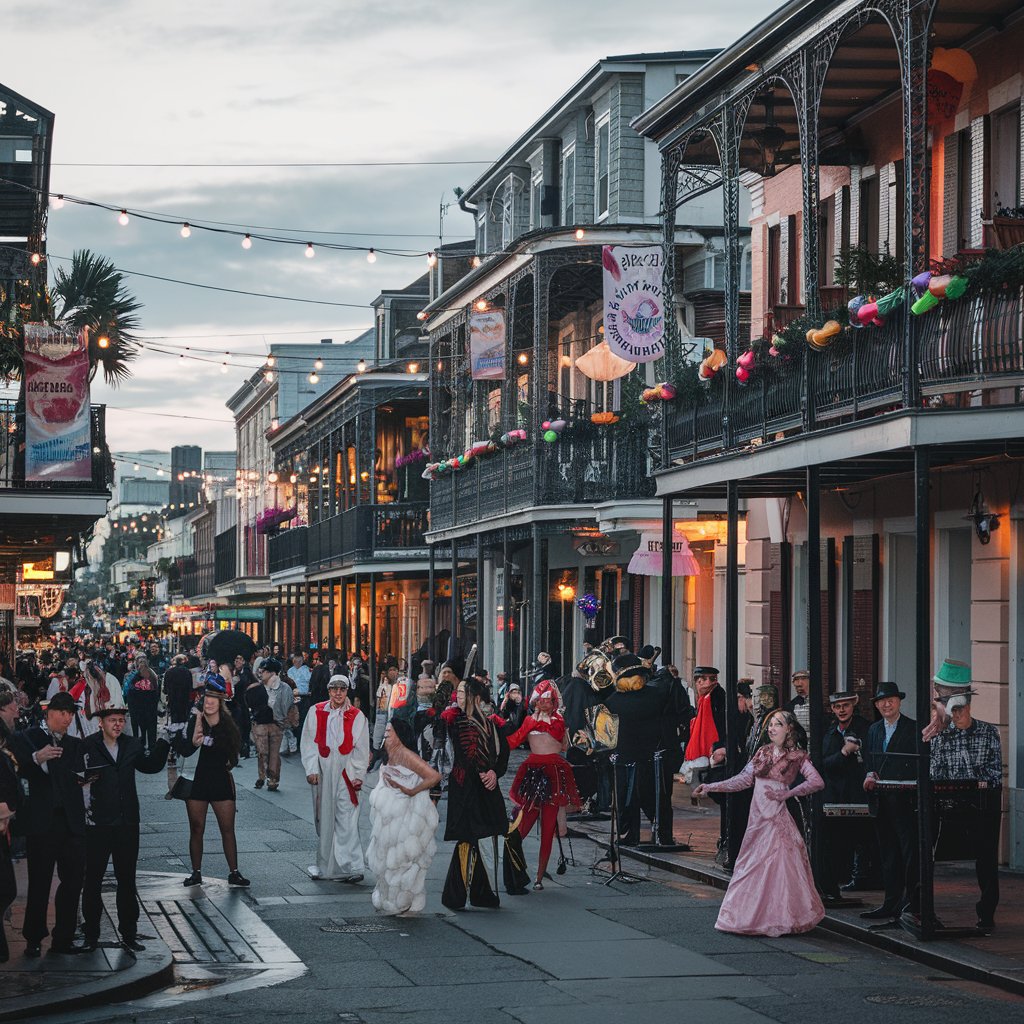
(214, 733)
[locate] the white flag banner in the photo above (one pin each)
(634, 309)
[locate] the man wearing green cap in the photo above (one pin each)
(964, 749)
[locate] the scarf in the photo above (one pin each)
(703, 732)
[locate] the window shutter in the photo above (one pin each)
(949, 194)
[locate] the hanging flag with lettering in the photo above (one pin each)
(58, 444)
(487, 345)
(634, 309)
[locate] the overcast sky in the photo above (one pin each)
(264, 82)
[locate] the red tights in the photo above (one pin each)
(548, 814)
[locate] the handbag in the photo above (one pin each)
(182, 789)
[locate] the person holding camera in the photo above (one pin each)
(512, 709)
(843, 770)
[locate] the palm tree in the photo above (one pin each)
(90, 294)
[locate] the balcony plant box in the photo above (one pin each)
(1007, 232)
(270, 520)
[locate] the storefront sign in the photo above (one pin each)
(634, 311)
(487, 345)
(58, 444)
(590, 547)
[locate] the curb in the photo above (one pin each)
(930, 955)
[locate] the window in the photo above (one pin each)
(569, 188)
(535, 196)
(494, 408)
(867, 236)
(601, 164)
(508, 215)
(774, 289)
(1004, 159)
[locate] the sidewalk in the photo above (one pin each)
(996, 959)
(50, 984)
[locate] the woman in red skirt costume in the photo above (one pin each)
(543, 786)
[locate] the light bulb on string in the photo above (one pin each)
(272, 477)
(361, 366)
(186, 230)
(269, 376)
(476, 262)
(421, 315)
(371, 257)
(271, 360)
(310, 251)
(579, 234)
(36, 259)
(223, 367)
(481, 305)
(247, 242)
(431, 259)
(57, 202)
(314, 378)
(318, 364)
(123, 218)
(103, 341)
(414, 367)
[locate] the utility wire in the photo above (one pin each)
(348, 163)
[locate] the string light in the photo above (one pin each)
(103, 341)
(186, 230)
(223, 367)
(476, 262)
(361, 366)
(272, 477)
(314, 378)
(123, 218)
(414, 367)
(269, 376)
(431, 259)
(522, 358)
(57, 202)
(318, 364)
(579, 234)
(35, 259)
(310, 251)
(371, 257)
(247, 242)
(481, 305)
(293, 478)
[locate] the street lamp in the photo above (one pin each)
(566, 592)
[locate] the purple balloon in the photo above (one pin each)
(920, 282)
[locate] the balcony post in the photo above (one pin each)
(372, 653)
(728, 138)
(537, 592)
(331, 635)
(431, 611)
(666, 581)
(815, 694)
(307, 600)
(808, 72)
(358, 646)
(278, 631)
(453, 633)
(480, 600)
(506, 609)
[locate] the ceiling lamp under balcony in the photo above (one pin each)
(769, 140)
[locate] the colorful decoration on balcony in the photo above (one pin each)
(416, 455)
(477, 450)
(552, 429)
(823, 336)
(590, 606)
(604, 419)
(745, 366)
(854, 307)
(664, 392)
(270, 520)
(711, 364)
(939, 287)
(602, 364)
(887, 304)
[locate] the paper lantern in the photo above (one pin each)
(602, 364)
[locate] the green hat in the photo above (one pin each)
(953, 673)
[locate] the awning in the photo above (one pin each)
(646, 560)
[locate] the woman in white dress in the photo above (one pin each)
(403, 825)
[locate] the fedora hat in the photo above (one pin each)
(888, 690)
(953, 673)
(704, 670)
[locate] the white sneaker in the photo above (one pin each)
(314, 872)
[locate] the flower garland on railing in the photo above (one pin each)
(477, 450)
(270, 520)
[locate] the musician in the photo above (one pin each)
(705, 749)
(799, 704)
(640, 710)
(49, 758)
(964, 749)
(890, 752)
(843, 770)
(675, 725)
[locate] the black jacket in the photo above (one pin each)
(889, 764)
(57, 787)
(640, 717)
(318, 681)
(178, 685)
(114, 799)
(260, 712)
(844, 776)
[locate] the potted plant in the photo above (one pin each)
(270, 520)
(1008, 227)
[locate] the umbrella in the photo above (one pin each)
(646, 560)
(224, 645)
(601, 363)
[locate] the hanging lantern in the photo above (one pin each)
(602, 364)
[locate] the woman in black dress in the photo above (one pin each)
(214, 733)
(476, 808)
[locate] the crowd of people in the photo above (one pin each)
(612, 736)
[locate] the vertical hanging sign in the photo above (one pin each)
(634, 309)
(487, 345)
(58, 445)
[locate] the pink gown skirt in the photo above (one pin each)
(772, 890)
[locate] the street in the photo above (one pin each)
(580, 952)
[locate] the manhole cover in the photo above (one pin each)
(355, 928)
(899, 1000)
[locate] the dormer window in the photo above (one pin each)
(602, 162)
(569, 187)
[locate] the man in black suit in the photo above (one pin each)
(843, 771)
(110, 762)
(892, 754)
(55, 827)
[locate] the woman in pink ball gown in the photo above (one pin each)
(772, 890)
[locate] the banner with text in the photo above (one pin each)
(58, 445)
(634, 311)
(487, 345)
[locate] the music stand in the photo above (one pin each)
(613, 857)
(656, 844)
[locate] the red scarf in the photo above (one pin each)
(703, 732)
(322, 711)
